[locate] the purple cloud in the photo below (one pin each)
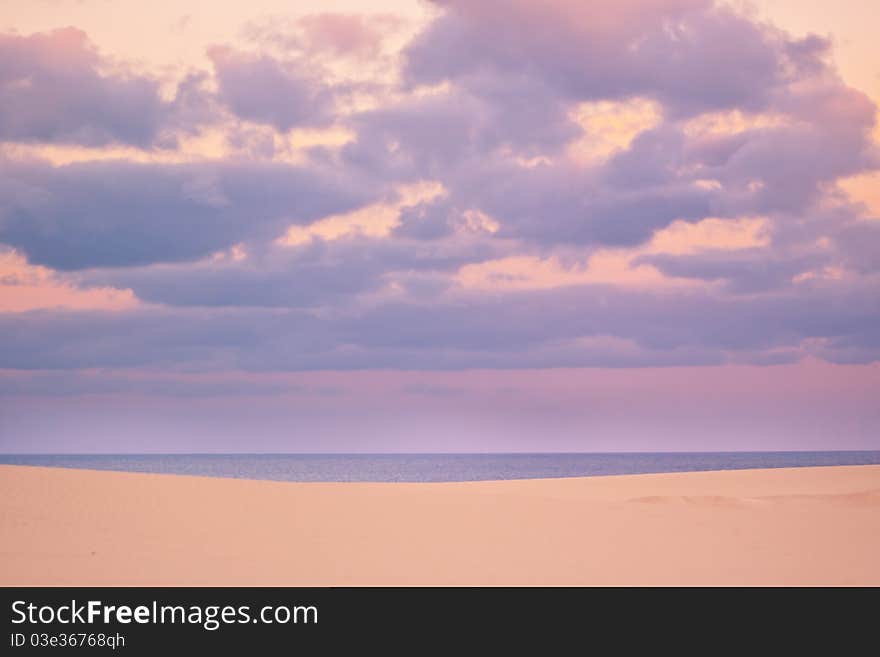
(583, 326)
(691, 55)
(317, 273)
(263, 89)
(106, 214)
(495, 130)
(52, 89)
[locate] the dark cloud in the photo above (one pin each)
(114, 213)
(859, 246)
(787, 169)
(743, 271)
(494, 130)
(264, 89)
(54, 88)
(561, 209)
(430, 137)
(427, 221)
(575, 326)
(315, 274)
(513, 74)
(691, 55)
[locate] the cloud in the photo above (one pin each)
(659, 178)
(558, 205)
(264, 89)
(327, 34)
(577, 326)
(56, 87)
(352, 35)
(427, 220)
(691, 55)
(317, 273)
(747, 123)
(743, 270)
(118, 213)
(859, 246)
(496, 129)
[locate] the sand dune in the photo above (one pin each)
(797, 526)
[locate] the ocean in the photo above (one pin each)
(437, 467)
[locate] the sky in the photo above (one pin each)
(440, 226)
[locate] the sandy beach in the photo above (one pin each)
(793, 526)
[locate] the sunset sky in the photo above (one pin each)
(504, 225)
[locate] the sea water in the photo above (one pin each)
(437, 467)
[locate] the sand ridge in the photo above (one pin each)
(788, 526)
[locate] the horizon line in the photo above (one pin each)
(492, 453)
